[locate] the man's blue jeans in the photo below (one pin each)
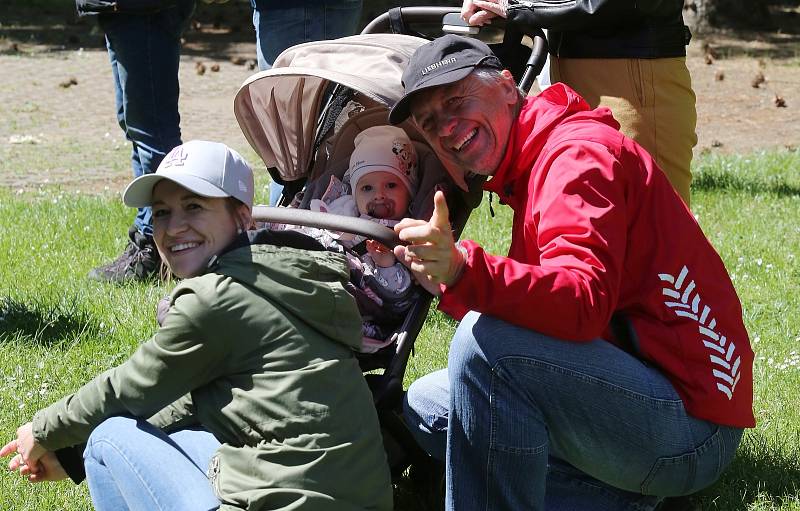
(280, 28)
(131, 465)
(532, 422)
(144, 50)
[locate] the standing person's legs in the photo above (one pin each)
(652, 99)
(593, 425)
(280, 28)
(145, 54)
(144, 51)
(131, 465)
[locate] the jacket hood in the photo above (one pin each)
(537, 119)
(308, 284)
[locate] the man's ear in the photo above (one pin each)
(510, 91)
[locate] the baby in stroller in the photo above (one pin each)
(378, 185)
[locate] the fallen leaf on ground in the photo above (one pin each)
(69, 82)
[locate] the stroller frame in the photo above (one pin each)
(322, 92)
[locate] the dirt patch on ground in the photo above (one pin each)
(57, 105)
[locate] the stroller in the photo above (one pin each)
(301, 118)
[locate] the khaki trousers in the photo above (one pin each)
(652, 99)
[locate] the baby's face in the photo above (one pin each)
(382, 195)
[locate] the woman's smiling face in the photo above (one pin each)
(189, 229)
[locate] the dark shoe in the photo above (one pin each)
(139, 262)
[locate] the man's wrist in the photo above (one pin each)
(460, 255)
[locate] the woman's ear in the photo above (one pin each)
(244, 216)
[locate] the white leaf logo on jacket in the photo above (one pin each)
(686, 303)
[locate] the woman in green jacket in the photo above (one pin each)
(248, 396)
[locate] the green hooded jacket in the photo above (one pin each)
(259, 351)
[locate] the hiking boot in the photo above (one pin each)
(139, 262)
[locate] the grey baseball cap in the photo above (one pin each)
(443, 61)
(209, 169)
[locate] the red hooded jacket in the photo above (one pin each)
(598, 230)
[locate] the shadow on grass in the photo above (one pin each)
(762, 472)
(719, 180)
(43, 324)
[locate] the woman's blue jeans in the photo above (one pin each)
(526, 421)
(131, 465)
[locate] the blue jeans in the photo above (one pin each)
(144, 50)
(131, 465)
(279, 28)
(526, 421)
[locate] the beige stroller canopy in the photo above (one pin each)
(278, 110)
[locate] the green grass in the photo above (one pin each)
(58, 329)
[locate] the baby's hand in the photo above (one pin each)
(380, 254)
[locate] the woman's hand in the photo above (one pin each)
(481, 12)
(47, 468)
(28, 453)
(431, 253)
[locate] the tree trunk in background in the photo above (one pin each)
(702, 15)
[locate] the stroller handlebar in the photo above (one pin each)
(401, 20)
(388, 21)
(304, 217)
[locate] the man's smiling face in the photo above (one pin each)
(467, 123)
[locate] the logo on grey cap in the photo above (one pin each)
(437, 65)
(176, 157)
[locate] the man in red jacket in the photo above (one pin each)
(603, 364)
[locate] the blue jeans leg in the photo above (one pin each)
(144, 50)
(280, 28)
(426, 409)
(131, 465)
(584, 425)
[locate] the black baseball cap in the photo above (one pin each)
(442, 61)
